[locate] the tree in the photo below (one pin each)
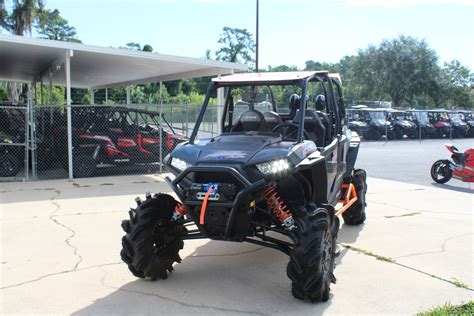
(237, 46)
(147, 48)
(21, 17)
(53, 26)
(398, 68)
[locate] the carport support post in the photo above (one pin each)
(129, 97)
(67, 63)
(92, 92)
(161, 126)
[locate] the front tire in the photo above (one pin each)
(355, 214)
(153, 240)
(311, 263)
(440, 171)
(9, 165)
(84, 166)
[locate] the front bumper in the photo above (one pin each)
(248, 192)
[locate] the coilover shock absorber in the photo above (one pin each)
(279, 207)
(179, 211)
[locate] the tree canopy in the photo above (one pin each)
(237, 46)
(52, 25)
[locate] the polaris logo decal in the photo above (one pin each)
(231, 154)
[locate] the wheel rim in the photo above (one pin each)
(440, 171)
(327, 244)
(7, 166)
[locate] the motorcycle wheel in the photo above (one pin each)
(440, 171)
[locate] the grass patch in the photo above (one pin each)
(403, 215)
(369, 253)
(459, 283)
(448, 309)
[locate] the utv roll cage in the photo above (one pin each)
(335, 108)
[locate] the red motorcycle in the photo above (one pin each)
(460, 167)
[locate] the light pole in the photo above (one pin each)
(256, 44)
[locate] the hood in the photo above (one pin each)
(380, 122)
(441, 124)
(234, 149)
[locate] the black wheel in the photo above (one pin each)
(311, 263)
(84, 166)
(153, 241)
(9, 165)
(390, 135)
(355, 214)
(440, 171)
(457, 133)
(374, 134)
(398, 133)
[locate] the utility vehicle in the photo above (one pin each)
(401, 124)
(279, 181)
(378, 122)
(424, 127)
(111, 136)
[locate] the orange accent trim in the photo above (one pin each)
(181, 209)
(204, 205)
(349, 199)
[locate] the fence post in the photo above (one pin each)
(69, 112)
(161, 127)
(187, 119)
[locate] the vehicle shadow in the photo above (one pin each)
(349, 233)
(216, 278)
(454, 188)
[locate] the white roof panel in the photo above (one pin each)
(22, 59)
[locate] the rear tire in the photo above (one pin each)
(9, 165)
(84, 166)
(355, 214)
(153, 241)
(374, 134)
(398, 133)
(440, 171)
(311, 263)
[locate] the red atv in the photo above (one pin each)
(111, 136)
(461, 167)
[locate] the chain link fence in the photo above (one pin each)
(106, 139)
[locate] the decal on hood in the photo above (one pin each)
(227, 154)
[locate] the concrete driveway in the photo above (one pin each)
(60, 244)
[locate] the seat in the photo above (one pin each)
(272, 119)
(251, 120)
(293, 105)
(325, 120)
(313, 126)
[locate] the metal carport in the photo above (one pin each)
(74, 65)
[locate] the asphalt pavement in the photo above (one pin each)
(410, 160)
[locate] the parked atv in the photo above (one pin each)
(111, 136)
(279, 185)
(401, 125)
(461, 127)
(461, 166)
(423, 126)
(468, 117)
(440, 120)
(356, 124)
(379, 125)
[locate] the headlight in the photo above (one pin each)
(273, 167)
(179, 164)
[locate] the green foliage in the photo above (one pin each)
(448, 309)
(52, 26)
(3, 91)
(237, 46)
(22, 15)
(398, 68)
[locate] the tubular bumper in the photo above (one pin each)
(240, 202)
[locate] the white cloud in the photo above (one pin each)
(405, 3)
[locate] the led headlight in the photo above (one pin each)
(273, 167)
(179, 164)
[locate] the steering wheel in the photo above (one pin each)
(286, 132)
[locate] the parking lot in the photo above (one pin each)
(61, 242)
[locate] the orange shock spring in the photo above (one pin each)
(179, 211)
(278, 206)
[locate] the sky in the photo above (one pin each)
(291, 32)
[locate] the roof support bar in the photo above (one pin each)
(68, 55)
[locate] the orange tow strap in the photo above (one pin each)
(204, 205)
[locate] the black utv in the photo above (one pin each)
(421, 119)
(356, 124)
(378, 122)
(402, 126)
(467, 117)
(275, 180)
